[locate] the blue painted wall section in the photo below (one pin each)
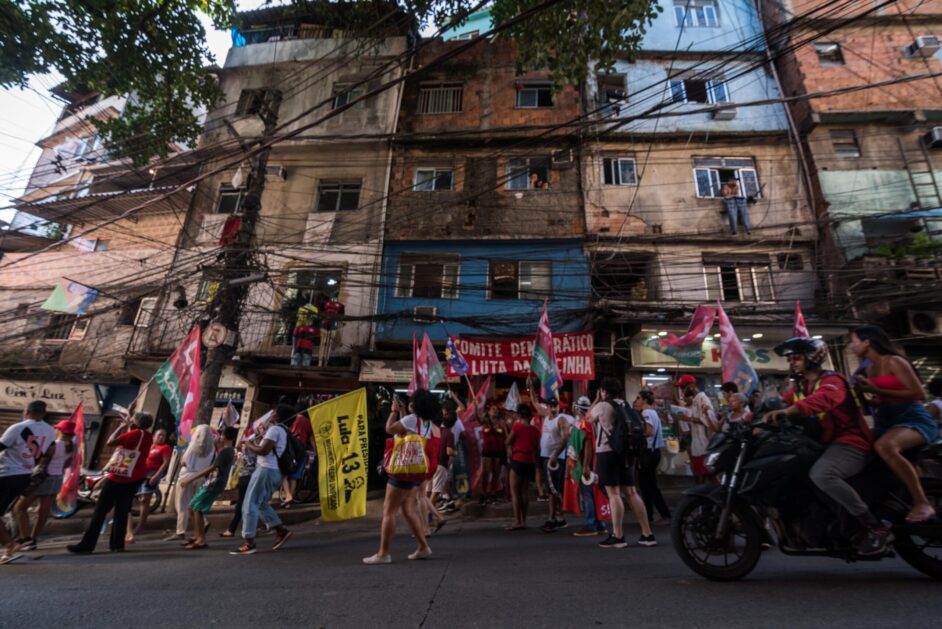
(475, 313)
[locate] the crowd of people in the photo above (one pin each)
(577, 460)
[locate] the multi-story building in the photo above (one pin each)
(122, 252)
(484, 220)
(876, 155)
(672, 128)
(319, 230)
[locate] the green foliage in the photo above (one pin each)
(155, 50)
(920, 245)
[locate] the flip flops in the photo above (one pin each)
(5, 559)
(195, 546)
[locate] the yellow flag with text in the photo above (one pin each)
(341, 437)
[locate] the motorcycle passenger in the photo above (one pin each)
(827, 395)
(901, 421)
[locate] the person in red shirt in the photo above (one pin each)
(120, 484)
(524, 443)
(158, 459)
(332, 311)
(301, 428)
(827, 396)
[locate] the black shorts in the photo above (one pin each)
(553, 480)
(403, 484)
(11, 488)
(524, 470)
(613, 472)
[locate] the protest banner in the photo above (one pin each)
(575, 355)
(342, 440)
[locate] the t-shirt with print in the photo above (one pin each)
(218, 478)
(25, 442)
(158, 454)
(549, 436)
(279, 436)
(141, 441)
(652, 419)
(604, 414)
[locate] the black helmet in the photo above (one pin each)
(815, 351)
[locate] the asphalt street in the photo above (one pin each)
(479, 576)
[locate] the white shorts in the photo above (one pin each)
(439, 479)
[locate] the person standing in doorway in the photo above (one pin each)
(736, 206)
(120, 484)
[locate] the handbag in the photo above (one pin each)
(406, 459)
(123, 460)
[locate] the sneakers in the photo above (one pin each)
(874, 541)
(483, 501)
(647, 540)
(561, 523)
(584, 532)
(28, 544)
(548, 527)
(613, 542)
(174, 537)
(542, 499)
(281, 539)
(375, 560)
(421, 553)
(244, 549)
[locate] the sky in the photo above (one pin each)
(28, 115)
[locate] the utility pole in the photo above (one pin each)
(238, 259)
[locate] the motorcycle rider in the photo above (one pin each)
(828, 396)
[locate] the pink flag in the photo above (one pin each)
(543, 363)
(700, 326)
(469, 416)
(68, 493)
(800, 328)
(734, 362)
(415, 382)
(434, 372)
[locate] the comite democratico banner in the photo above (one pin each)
(575, 355)
(341, 437)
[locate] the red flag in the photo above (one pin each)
(432, 367)
(469, 418)
(544, 359)
(68, 494)
(700, 326)
(800, 328)
(179, 381)
(415, 382)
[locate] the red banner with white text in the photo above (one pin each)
(575, 355)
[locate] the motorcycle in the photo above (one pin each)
(89, 490)
(765, 498)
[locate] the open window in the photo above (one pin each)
(619, 171)
(428, 275)
(230, 200)
(711, 173)
(698, 89)
(520, 279)
(623, 275)
(528, 173)
(746, 279)
(338, 195)
(428, 179)
(532, 95)
(300, 288)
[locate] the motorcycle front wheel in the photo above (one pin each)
(921, 545)
(693, 529)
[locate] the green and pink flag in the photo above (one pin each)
(544, 359)
(179, 381)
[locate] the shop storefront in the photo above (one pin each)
(61, 399)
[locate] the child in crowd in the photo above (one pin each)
(204, 498)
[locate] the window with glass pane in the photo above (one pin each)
(829, 54)
(429, 179)
(300, 288)
(440, 98)
(530, 95)
(519, 172)
(431, 276)
(717, 91)
(503, 279)
(536, 279)
(744, 281)
(709, 181)
(230, 200)
(338, 196)
(59, 327)
(344, 93)
(619, 171)
(696, 13)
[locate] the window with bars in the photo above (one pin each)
(743, 281)
(59, 327)
(710, 173)
(698, 90)
(845, 144)
(620, 171)
(528, 173)
(344, 93)
(696, 13)
(520, 279)
(230, 200)
(441, 98)
(338, 196)
(300, 288)
(534, 95)
(428, 275)
(431, 179)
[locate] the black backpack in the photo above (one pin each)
(627, 439)
(294, 455)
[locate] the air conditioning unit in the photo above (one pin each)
(276, 172)
(425, 314)
(724, 114)
(604, 342)
(924, 46)
(562, 159)
(924, 322)
(933, 139)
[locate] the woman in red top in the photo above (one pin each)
(158, 459)
(901, 422)
(493, 451)
(120, 484)
(523, 442)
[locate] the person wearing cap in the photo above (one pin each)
(580, 454)
(24, 446)
(47, 490)
(699, 419)
(554, 435)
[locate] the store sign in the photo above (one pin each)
(391, 371)
(60, 397)
(575, 355)
(761, 355)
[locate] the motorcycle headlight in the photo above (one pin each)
(711, 460)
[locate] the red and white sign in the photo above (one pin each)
(575, 355)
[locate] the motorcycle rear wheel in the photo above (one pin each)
(924, 553)
(692, 531)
